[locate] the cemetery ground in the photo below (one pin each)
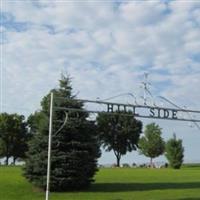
(113, 184)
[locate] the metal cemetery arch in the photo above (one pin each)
(136, 110)
(155, 112)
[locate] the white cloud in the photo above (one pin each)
(106, 37)
(143, 12)
(106, 48)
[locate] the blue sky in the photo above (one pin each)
(106, 46)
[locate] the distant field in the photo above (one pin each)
(113, 184)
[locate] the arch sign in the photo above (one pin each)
(136, 110)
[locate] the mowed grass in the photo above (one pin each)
(113, 184)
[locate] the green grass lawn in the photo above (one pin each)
(113, 184)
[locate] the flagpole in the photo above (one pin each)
(49, 148)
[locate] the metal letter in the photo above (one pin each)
(166, 113)
(118, 108)
(110, 107)
(174, 116)
(152, 114)
(124, 108)
(159, 112)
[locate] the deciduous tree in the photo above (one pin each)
(13, 136)
(119, 133)
(152, 144)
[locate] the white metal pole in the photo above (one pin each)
(49, 147)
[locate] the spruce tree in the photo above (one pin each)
(75, 148)
(174, 152)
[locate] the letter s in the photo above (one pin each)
(152, 114)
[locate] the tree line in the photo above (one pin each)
(76, 148)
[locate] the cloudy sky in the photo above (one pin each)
(106, 46)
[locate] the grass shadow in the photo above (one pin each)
(126, 187)
(190, 198)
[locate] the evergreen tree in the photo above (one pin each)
(119, 133)
(151, 144)
(74, 149)
(174, 152)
